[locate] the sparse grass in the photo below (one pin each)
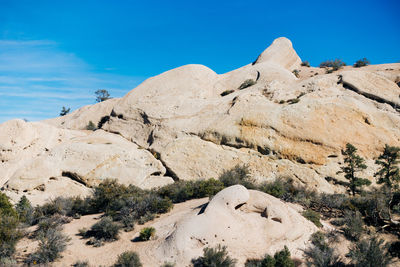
(313, 216)
(247, 83)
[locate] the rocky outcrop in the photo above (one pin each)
(80, 118)
(250, 223)
(191, 123)
(281, 52)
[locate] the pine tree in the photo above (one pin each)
(64, 111)
(102, 95)
(353, 164)
(25, 210)
(389, 173)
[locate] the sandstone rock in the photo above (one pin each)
(281, 52)
(79, 119)
(372, 86)
(250, 223)
(89, 160)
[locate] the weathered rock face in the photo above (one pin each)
(37, 155)
(281, 52)
(250, 223)
(191, 123)
(79, 119)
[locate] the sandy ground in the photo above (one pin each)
(106, 255)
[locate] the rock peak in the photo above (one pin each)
(280, 52)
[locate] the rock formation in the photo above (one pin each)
(191, 123)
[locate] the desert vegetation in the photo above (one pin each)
(361, 63)
(122, 207)
(332, 65)
(247, 83)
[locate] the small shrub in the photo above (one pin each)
(247, 83)
(214, 257)
(312, 216)
(185, 190)
(128, 259)
(296, 73)
(369, 253)
(227, 92)
(361, 63)
(105, 229)
(147, 233)
(332, 65)
(54, 222)
(317, 257)
(237, 175)
(51, 244)
(9, 235)
(280, 259)
(353, 225)
(305, 63)
(91, 126)
(81, 264)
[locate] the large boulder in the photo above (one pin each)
(249, 223)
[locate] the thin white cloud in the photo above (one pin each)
(38, 77)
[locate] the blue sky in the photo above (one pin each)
(57, 53)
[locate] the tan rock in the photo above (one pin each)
(281, 52)
(250, 223)
(89, 160)
(79, 119)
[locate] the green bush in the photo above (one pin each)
(237, 175)
(312, 216)
(147, 233)
(213, 257)
(361, 63)
(332, 65)
(320, 254)
(6, 208)
(296, 73)
(280, 259)
(247, 83)
(128, 259)
(51, 244)
(369, 253)
(105, 229)
(353, 225)
(81, 264)
(305, 63)
(91, 126)
(9, 234)
(185, 190)
(53, 222)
